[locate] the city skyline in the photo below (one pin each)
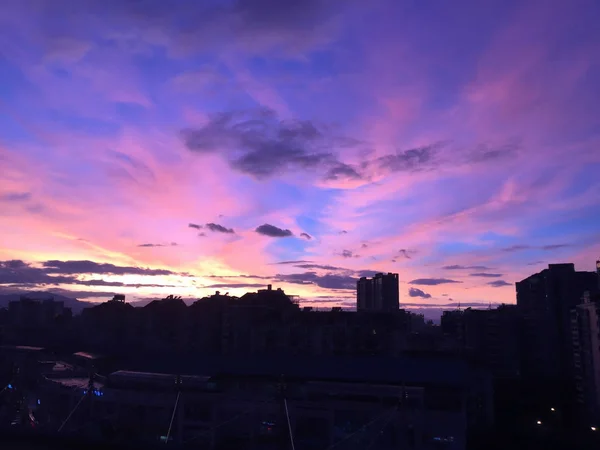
(152, 150)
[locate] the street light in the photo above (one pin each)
(593, 428)
(552, 409)
(539, 422)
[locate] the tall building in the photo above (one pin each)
(585, 327)
(488, 335)
(380, 293)
(545, 300)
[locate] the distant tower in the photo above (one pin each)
(379, 293)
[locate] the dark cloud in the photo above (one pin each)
(499, 283)
(328, 281)
(17, 272)
(189, 27)
(405, 253)
(549, 247)
(432, 281)
(306, 236)
(234, 285)
(219, 228)
(343, 232)
(554, 246)
(15, 197)
(227, 277)
(299, 261)
(414, 292)
(408, 160)
(257, 143)
(535, 263)
(172, 244)
(452, 305)
(364, 246)
(457, 267)
(484, 153)
(320, 266)
(485, 275)
(367, 273)
(84, 266)
(343, 171)
(273, 231)
(194, 225)
(347, 254)
(516, 248)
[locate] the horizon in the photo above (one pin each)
(188, 148)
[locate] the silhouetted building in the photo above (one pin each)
(118, 298)
(490, 336)
(544, 302)
(585, 327)
(380, 293)
(29, 312)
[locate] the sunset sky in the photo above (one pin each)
(182, 147)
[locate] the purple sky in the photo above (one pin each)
(183, 147)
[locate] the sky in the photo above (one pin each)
(152, 148)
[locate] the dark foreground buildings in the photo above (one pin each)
(221, 402)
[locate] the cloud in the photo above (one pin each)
(414, 292)
(343, 171)
(306, 236)
(432, 281)
(172, 244)
(15, 197)
(234, 285)
(516, 248)
(554, 246)
(458, 267)
(84, 266)
(328, 281)
(348, 254)
(549, 247)
(499, 283)
(273, 231)
(195, 225)
(485, 275)
(219, 228)
(408, 160)
(17, 272)
(257, 143)
(367, 273)
(343, 232)
(299, 261)
(405, 253)
(321, 266)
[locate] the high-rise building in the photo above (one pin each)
(545, 301)
(380, 293)
(488, 335)
(585, 328)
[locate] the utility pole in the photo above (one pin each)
(281, 427)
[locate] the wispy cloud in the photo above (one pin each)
(432, 281)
